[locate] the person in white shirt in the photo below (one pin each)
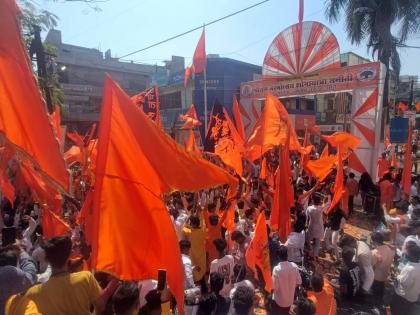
(413, 237)
(407, 292)
(179, 217)
(315, 231)
(295, 243)
(191, 305)
(286, 278)
(223, 266)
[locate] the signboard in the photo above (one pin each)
(330, 81)
(398, 128)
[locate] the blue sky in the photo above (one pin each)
(127, 25)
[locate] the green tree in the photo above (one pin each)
(384, 25)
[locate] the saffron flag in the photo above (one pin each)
(26, 126)
(322, 167)
(56, 121)
(343, 140)
(325, 152)
(190, 118)
(238, 118)
(127, 198)
(230, 217)
(257, 253)
(42, 190)
(53, 225)
(149, 101)
(283, 196)
(408, 163)
(199, 58)
(263, 171)
(418, 106)
(223, 139)
(269, 130)
(6, 187)
(230, 146)
(339, 187)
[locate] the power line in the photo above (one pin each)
(195, 28)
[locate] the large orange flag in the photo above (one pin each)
(408, 163)
(339, 187)
(283, 196)
(137, 163)
(53, 225)
(238, 118)
(23, 116)
(257, 253)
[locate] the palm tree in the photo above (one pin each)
(384, 25)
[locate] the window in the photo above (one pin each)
(171, 100)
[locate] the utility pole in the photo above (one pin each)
(38, 49)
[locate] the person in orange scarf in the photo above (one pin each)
(387, 190)
(322, 296)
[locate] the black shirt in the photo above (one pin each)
(349, 279)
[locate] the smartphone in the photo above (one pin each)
(161, 279)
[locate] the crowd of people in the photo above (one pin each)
(51, 276)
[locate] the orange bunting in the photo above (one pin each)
(53, 225)
(418, 106)
(257, 253)
(27, 127)
(127, 198)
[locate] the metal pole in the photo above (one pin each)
(205, 99)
